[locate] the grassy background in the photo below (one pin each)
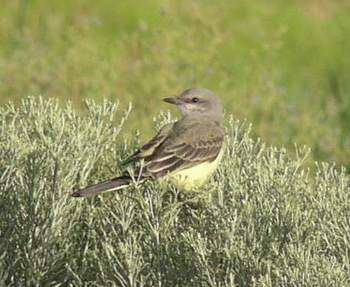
(283, 65)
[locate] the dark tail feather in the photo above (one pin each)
(108, 185)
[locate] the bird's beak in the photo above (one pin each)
(172, 100)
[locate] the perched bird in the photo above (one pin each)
(186, 152)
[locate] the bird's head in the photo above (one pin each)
(197, 101)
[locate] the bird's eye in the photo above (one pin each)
(195, 100)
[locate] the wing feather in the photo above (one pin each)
(182, 157)
(148, 148)
(177, 147)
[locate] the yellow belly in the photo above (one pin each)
(192, 178)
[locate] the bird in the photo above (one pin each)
(185, 152)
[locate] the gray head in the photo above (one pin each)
(197, 101)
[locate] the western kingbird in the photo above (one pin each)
(186, 152)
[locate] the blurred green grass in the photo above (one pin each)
(283, 65)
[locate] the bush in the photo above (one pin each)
(263, 220)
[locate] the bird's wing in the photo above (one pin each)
(184, 149)
(148, 148)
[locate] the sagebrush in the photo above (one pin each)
(262, 220)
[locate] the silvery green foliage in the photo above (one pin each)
(263, 219)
